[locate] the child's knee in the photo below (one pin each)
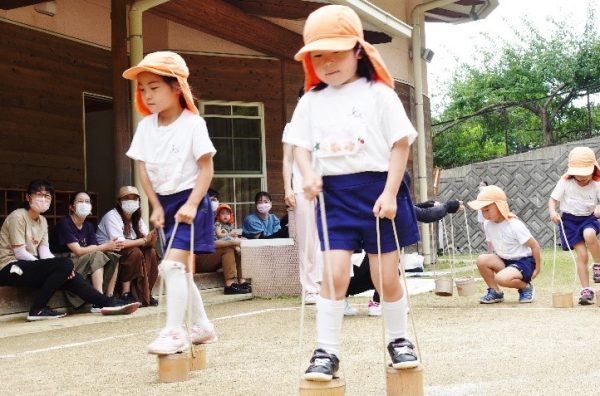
(589, 235)
(169, 268)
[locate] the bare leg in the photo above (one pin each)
(582, 262)
(97, 279)
(392, 288)
(339, 262)
(488, 265)
(510, 277)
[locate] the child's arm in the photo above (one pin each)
(313, 184)
(187, 213)
(385, 206)
(288, 160)
(157, 217)
(533, 244)
(555, 217)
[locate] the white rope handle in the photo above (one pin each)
(469, 244)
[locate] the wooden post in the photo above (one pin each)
(404, 382)
(335, 387)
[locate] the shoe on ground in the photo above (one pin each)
(586, 296)
(492, 297)
(596, 269)
(169, 342)
(128, 298)
(235, 288)
(246, 285)
(153, 302)
(349, 310)
(44, 314)
(120, 308)
(526, 294)
(323, 366)
(373, 308)
(403, 354)
(310, 299)
(96, 309)
(203, 334)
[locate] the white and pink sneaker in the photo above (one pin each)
(373, 309)
(203, 334)
(169, 342)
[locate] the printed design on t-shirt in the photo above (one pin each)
(34, 242)
(344, 137)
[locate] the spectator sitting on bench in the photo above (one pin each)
(76, 238)
(25, 259)
(225, 257)
(263, 224)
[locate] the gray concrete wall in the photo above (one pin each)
(527, 178)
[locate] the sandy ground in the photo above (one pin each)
(466, 349)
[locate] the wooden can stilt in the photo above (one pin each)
(198, 359)
(173, 368)
(335, 387)
(562, 300)
(404, 382)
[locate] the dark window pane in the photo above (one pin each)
(246, 189)
(218, 127)
(246, 128)
(247, 156)
(217, 109)
(224, 186)
(245, 110)
(223, 160)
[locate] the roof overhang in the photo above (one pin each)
(461, 11)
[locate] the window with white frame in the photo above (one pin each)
(237, 131)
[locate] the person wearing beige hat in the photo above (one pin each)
(354, 126)
(578, 195)
(138, 261)
(174, 158)
(517, 259)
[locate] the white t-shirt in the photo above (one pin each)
(170, 152)
(350, 128)
(575, 199)
(111, 226)
(297, 181)
(508, 238)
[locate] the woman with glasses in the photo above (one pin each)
(76, 239)
(25, 259)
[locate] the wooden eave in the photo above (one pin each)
(12, 4)
(284, 9)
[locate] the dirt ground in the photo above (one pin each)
(466, 349)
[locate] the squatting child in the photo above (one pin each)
(517, 258)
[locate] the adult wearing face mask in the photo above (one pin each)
(76, 238)
(138, 265)
(262, 224)
(26, 260)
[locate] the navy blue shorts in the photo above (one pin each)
(574, 226)
(525, 265)
(349, 201)
(204, 234)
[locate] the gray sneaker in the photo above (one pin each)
(526, 294)
(492, 297)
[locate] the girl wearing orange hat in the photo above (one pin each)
(353, 125)
(175, 161)
(578, 193)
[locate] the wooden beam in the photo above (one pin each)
(447, 13)
(11, 4)
(376, 37)
(223, 20)
(285, 9)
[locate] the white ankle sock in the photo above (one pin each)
(396, 317)
(198, 314)
(330, 314)
(177, 292)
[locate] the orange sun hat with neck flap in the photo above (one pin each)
(336, 28)
(490, 195)
(163, 63)
(582, 162)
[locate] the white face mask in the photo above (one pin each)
(263, 207)
(130, 206)
(214, 205)
(40, 204)
(83, 209)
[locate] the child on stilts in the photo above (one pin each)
(352, 123)
(174, 157)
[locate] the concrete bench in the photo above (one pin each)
(19, 299)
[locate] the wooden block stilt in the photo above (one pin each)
(562, 300)
(404, 382)
(335, 387)
(198, 359)
(173, 368)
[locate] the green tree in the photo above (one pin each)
(540, 74)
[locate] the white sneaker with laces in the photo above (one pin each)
(168, 342)
(203, 334)
(349, 310)
(310, 299)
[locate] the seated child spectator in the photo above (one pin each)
(224, 224)
(517, 259)
(263, 224)
(578, 192)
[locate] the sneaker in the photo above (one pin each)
(153, 302)
(526, 294)
(235, 288)
(120, 308)
(128, 298)
(203, 335)
(310, 299)
(586, 296)
(373, 308)
(44, 314)
(349, 310)
(403, 354)
(246, 285)
(596, 269)
(96, 308)
(168, 342)
(492, 296)
(323, 366)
